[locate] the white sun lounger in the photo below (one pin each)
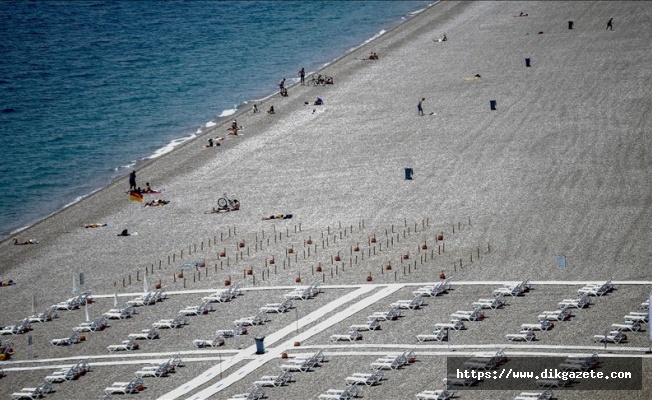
(201, 343)
(474, 315)
(368, 379)
(70, 340)
(438, 335)
(146, 299)
(147, 334)
(392, 314)
(455, 325)
(453, 380)
(126, 345)
(435, 394)
(611, 337)
(203, 308)
(526, 336)
(221, 296)
(124, 387)
(277, 307)
(545, 395)
(372, 324)
(177, 322)
(275, 380)
(557, 315)
(352, 336)
(416, 302)
(632, 326)
(543, 325)
(257, 319)
(155, 372)
(494, 303)
(340, 394)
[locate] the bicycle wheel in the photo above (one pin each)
(222, 202)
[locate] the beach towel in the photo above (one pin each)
(135, 196)
(278, 216)
(7, 282)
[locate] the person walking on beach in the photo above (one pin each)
(132, 180)
(420, 106)
(302, 75)
(610, 25)
(281, 84)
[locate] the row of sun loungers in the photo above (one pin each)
(148, 299)
(393, 361)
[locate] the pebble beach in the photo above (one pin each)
(552, 186)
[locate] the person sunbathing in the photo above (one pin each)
(31, 241)
(155, 203)
(96, 225)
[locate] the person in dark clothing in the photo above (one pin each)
(302, 75)
(132, 180)
(610, 24)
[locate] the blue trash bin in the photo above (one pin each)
(408, 174)
(492, 105)
(260, 345)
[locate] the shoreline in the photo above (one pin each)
(203, 132)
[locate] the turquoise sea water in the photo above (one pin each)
(88, 88)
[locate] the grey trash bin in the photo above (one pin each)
(260, 345)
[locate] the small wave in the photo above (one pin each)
(228, 112)
(210, 124)
(170, 146)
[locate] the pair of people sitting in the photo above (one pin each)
(155, 203)
(284, 92)
(373, 56)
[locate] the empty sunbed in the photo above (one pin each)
(44, 316)
(368, 379)
(120, 313)
(611, 337)
(430, 291)
(126, 345)
(636, 317)
(455, 325)
(70, 340)
(229, 333)
(563, 314)
(203, 308)
(146, 299)
(444, 394)
(596, 289)
(392, 314)
(125, 387)
(275, 380)
(201, 343)
(494, 303)
(474, 315)
(146, 334)
(416, 302)
(632, 326)
(550, 383)
(257, 319)
(581, 302)
(543, 325)
(438, 335)
(453, 380)
(393, 361)
(303, 365)
(279, 308)
(526, 336)
(351, 336)
(372, 324)
(157, 371)
(27, 393)
(177, 322)
(340, 394)
(11, 330)
(545, 395)
(646, 304)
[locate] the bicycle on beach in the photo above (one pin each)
(225, 203)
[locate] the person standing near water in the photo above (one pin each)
(132, 180)
(420, 105)
(302, 75)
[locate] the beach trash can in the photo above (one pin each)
(408, 174)
(570, 24)
(492, 105)
(527, 62)
(260, 345)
